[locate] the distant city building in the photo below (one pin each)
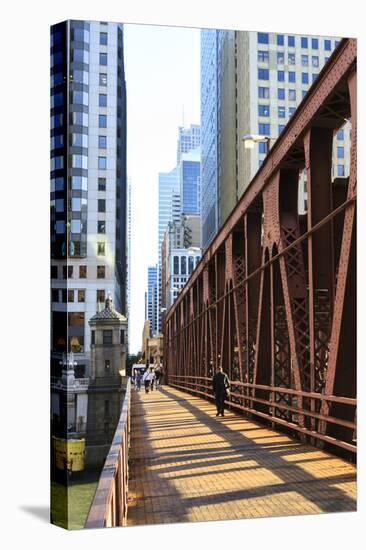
(88, 182)
(179, 192)
(152, 290)
(188, 139)
(181, 252)
(251, 83)
(190, 182)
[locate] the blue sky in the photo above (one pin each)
(162, 67)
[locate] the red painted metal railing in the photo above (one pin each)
(273, 299)
(109, 506)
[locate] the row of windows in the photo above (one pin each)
(67, 295)
(263, 57)
(264, 110)
(68, 272)
(263, 38)
(263, 74)
(183, 264)
(77, 140)
(264, 129)
(77, 119)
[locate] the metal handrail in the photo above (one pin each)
(273, 405)
(109, 506)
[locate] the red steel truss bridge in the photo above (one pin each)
(273, 300)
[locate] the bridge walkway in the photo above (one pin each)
(188, 465)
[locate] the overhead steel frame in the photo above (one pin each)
(273, 300)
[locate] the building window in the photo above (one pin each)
(281, 76)
(303, 93)
(100, 271)
(183, 265)
(291, 59)
(106, 408)
(263, 110)
(64, 296)
(340, 136)
(102, 163)
(315, 61)
(103, 38)
(102, 100)
(291, 111)
(262, 146)
(281, 93)
(280, 40)
(176, 265)
(304, 60)
(314, 76)
(81, 295)
(281, 112)
(101, 227)
(291, 76)
(262, 37)
(101, 205)
(263, 74)
(100, 295)
(304, 42)
(281, 128)
(82, 271)
(102, 121)
(327, 45)
(102, 142)
(340, 170)
(190, 264)
(122, 337)
(70, 271)
(70, 295)
(103, 79)
(107, 338)
(291, 41)
(305, 78)
(54, 274)
(93, 337)
(76, 344)
(103, 59)
(263, 93)
(340, 152)
(100, 249)
(102, 184)
(55, 295)
(314, 43)
(292, 95)
(280, 58)
(263, 129)
(336, 43)
(263, 56)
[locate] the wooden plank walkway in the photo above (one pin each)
(186, 464)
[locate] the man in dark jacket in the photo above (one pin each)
(221, 385)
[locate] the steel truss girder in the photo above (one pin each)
(273, 298)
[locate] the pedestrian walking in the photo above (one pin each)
(146, 380)
(157, 377)
(138, 380)
(221, 388)
(151, 377)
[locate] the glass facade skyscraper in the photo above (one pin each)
(88, 179)
(190, 187)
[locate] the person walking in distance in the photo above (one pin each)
(221, 388)
(151, 377)
(146, 380)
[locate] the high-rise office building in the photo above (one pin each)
(188, 139)
(129, 240)
(152, 299)
(88, 180)
(260, 80)
(190, 182)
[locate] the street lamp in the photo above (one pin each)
(251, 139)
